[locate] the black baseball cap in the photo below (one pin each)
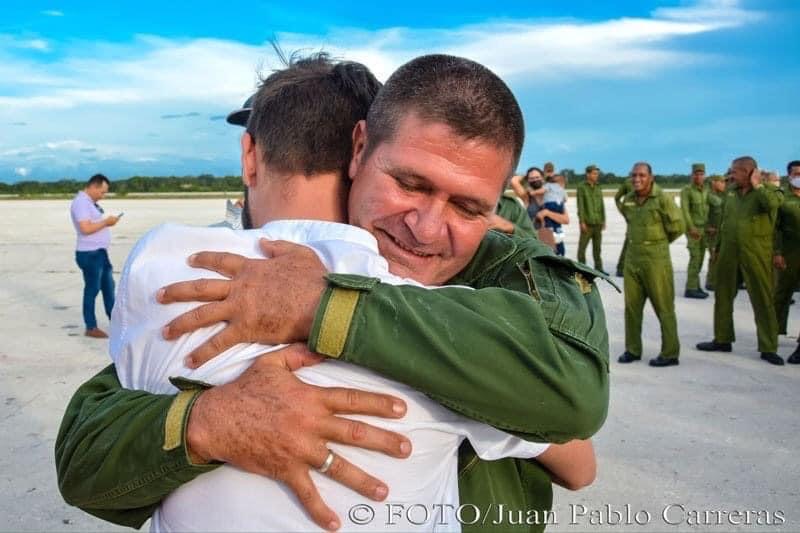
(239, 117)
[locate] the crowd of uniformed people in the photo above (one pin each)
(746, 221)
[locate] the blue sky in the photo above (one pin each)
(141, 87)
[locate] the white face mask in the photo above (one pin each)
(795, 182)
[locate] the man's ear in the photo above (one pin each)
(249, 160)
(359, 145)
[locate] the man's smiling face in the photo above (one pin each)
(426, 195)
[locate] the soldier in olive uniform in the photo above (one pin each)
(746, 236)
(718, 186)
(624, 189)
(787, 252)
(654, 221)
(695, 203)
(592, 216)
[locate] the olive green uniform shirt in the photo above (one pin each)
(526, 352)
(591, 209)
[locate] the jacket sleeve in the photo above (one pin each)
(529, 356)
(602, 208)
(119, 452)
(672, 218)
(621, 192)
(581, 194)
(686, 210)
(777, 245)
(770, 198)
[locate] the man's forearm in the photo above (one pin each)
(533, 364)
(119, 452)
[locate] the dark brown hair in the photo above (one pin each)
(97, 180)
(303, 116)
(457, 92)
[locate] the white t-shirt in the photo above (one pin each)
(228, 499)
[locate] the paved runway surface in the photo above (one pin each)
(716, 436)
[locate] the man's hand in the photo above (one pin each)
(779, 262)
(499, 223)
(270, 301)
(711, 231)
(270, 423)
(585, 228)
(694, 233)
(755, 178)
(111, 220)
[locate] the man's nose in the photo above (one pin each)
(427, 222)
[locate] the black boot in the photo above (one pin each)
(628, 357)
(714, 346)
(794, 359)
(772, 357)
(695, 293)
(664, 361)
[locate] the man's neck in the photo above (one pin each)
(300, 197)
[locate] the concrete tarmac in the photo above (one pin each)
(710, 445)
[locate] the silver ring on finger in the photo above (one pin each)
(326, 465)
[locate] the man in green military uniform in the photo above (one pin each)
(746, 240)
(592, 216)
(718, 186)
(119, 452)
(624, 189)
(695, 203)
(787, 253)
(654, 221)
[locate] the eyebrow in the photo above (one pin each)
(424, 183)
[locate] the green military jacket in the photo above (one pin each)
(696, 204)
(657, 220)
(511, 209)
(787, 226)
(625, 188)
(591, 209)
(715, 208)
(526, 352)
(749, 219)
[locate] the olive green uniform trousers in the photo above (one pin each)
(648, 274)
(594, 233)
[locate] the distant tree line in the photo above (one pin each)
(135, 184)
(209, 183)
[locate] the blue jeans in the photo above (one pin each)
(97, 276)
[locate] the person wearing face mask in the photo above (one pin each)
(787, 252)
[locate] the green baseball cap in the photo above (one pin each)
(589, 168)
(698, 167)
(718, 177)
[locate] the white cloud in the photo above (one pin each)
(26, 43)
(52, 13)
(213, 70)
(719, 13)
(21, 171)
